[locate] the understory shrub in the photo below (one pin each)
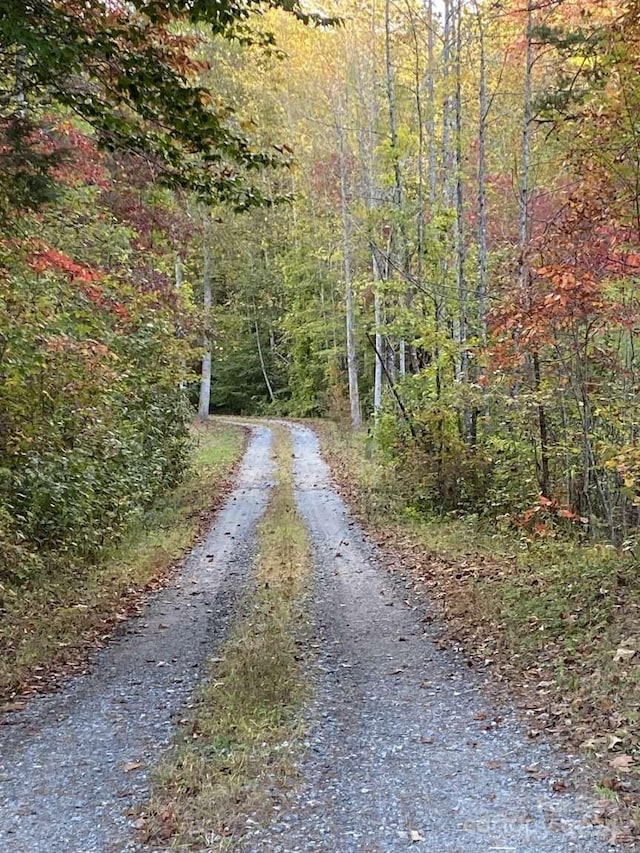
(93, 422)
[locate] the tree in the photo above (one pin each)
(205, 377)
(129, 71)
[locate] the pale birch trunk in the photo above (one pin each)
(398, 190)
(179, 277)
(377, 313)
(263, 366)
(460, 235)
(205, 377)
(352, 365)
(483, 111)
(367, 144)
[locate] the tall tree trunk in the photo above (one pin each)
(263, 366)
(523, 236)
(205, 378)
(377, 312)
(398, 188)
(367, 145)
(431, 107)
(483, 110)
(433, 180)
(448, 157)
(525, 154)
(179, 276)
(463, 320)
(352, 364)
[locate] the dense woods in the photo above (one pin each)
(459, 260)
(112, 144)
(421, 216)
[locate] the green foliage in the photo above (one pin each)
(238, 386)
(129, 71)
(47, 617)
(93, 419)
(310, 329)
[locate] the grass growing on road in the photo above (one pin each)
(47, 624)
(235, 754)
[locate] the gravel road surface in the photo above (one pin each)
(406, 747)
(73, 763)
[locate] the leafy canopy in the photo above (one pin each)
(127, 69)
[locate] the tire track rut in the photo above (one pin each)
(406, 747)
(73, 764)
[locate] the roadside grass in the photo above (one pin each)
(48, 623)
(234, 757)
(559, 619)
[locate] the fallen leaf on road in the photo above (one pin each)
(623, 654)
(13, 706)
(622, 762)
(131, 765)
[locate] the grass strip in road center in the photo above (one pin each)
(235, 754)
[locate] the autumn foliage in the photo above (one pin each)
(93, 423)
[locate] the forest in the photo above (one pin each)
(402, 236)
(420, 217)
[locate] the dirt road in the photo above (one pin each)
(74, 763)
(406, 748)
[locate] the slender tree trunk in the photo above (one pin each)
(459, 196)
(543, 430)
(431, 107)
(178, 274)
(377, 311)
(433, 180)
(418, 83)
(524, 235)
(263, 366)
(367, 144)
(448, 157)
(524, 189)
(205, 378)
(398, 187)
(483, 109)
(460, 249)
(352, 364)
(447, 185)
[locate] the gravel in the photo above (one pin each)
(406, 747)
(73, 764)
